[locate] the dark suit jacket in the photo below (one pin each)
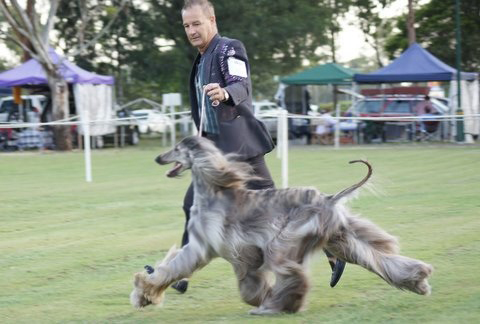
(240, 131)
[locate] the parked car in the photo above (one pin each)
(266, 111)
(393, 102)
(32, 108)
(151, 121)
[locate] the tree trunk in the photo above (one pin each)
(377, 52)
(412, 37)
(332, 45)
(60, 111)
(333, 29)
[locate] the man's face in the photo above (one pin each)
(199, 27)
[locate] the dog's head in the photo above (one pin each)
(184, 153)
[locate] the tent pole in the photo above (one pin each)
(458, 57)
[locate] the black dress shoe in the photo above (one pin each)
(181, 286)
(337, 272)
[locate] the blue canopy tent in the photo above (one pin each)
(416, 64)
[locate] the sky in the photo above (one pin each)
(351, 40)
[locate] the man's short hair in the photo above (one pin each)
(207, 6)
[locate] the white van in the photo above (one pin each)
(30, 110)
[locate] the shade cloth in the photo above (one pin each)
(329, 73)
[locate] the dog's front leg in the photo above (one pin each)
(187, 260)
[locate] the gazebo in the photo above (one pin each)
(332, 74)
(92, 92)
(329, 73)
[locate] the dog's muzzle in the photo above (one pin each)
(175, 171)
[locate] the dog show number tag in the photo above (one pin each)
(237, 67)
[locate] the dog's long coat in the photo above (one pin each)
(272, 230)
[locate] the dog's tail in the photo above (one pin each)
(336, 197)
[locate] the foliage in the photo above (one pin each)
(69, 248)
(335, 10)
(436, 32)
(372, 25)
(3, 65)
(149, 44)
(277, 35)
(110, 52)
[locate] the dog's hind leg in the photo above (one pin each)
(365, 244)
(288, 293)
(253, 285)
(252, 282)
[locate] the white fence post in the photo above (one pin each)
(87, 147)
(337, 127)
(279, 134)
(173, 135)
(283, 145)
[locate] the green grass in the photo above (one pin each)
(69, 248)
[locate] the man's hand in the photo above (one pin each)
(215, 92)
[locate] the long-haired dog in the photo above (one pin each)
(265, 231)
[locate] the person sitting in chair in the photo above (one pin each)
(324, 128)
(428, 125)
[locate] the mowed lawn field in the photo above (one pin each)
(69, 249)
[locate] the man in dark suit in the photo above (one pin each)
(221, 70)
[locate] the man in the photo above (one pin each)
(221, 70)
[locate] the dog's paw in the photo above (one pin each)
(262, 310)
(138, 300)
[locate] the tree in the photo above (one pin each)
(375, 29)
(336, 9)
(436, 32)
(278, 36)
(77, 37)
(412, 37)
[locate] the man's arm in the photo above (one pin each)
(235, 71)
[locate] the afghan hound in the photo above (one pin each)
(269, 231)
